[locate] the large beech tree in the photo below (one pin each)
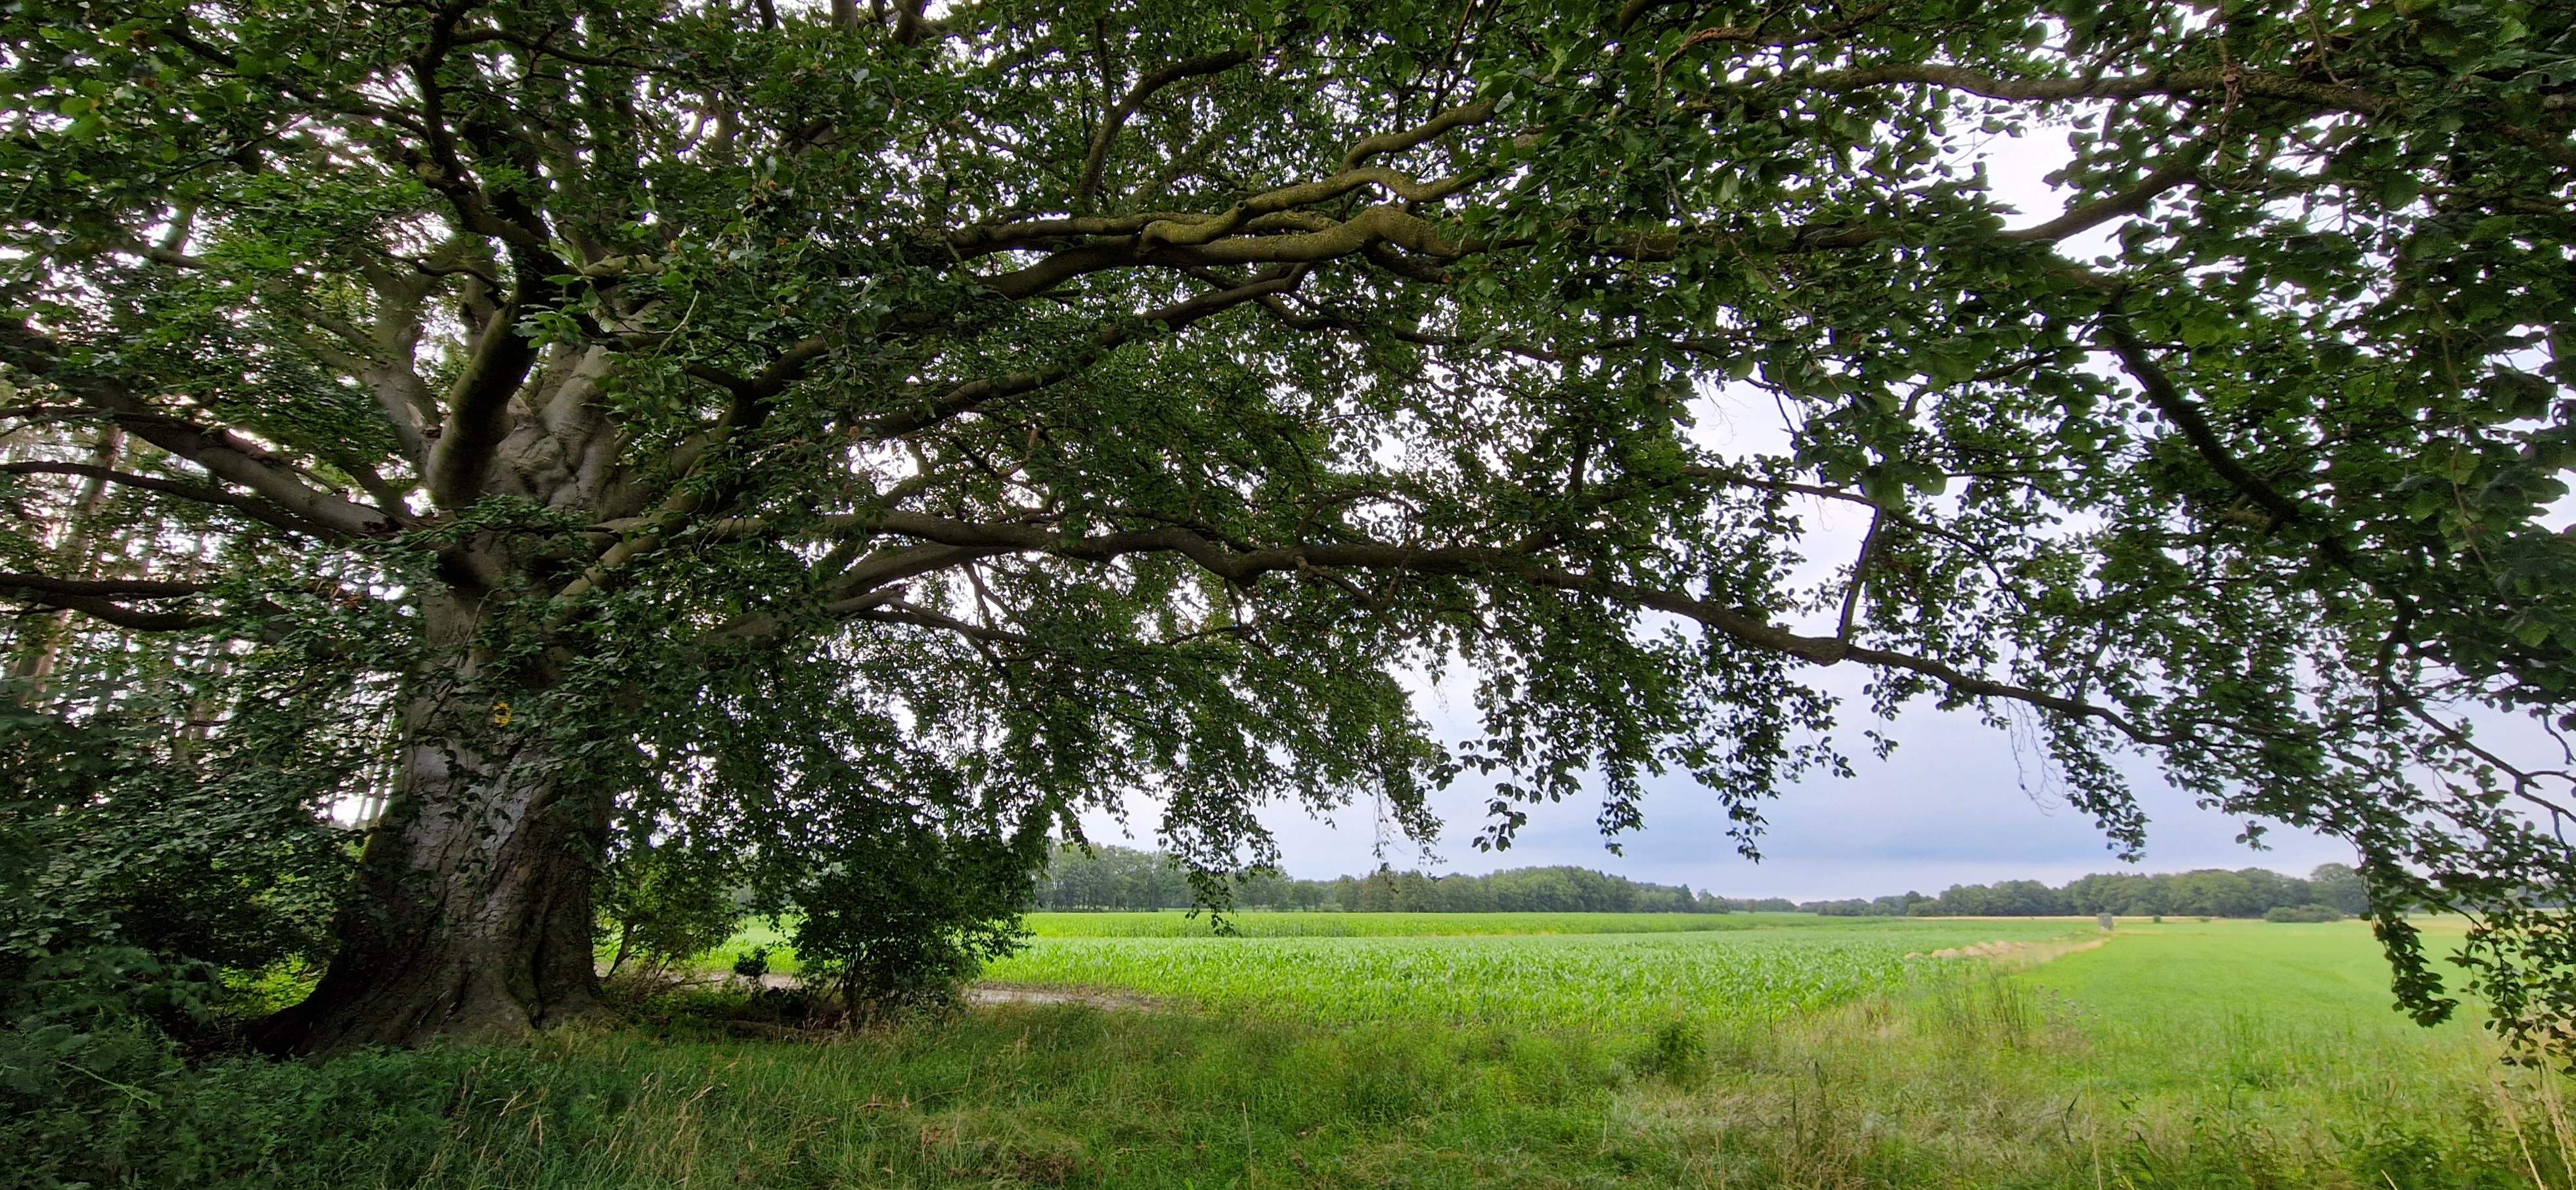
(846, 443)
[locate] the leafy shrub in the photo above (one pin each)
(138, 863)
(1677, 1051)
(2304, 913)
(666, 905)
(905, 912)
(108, 839)
(87, 1056)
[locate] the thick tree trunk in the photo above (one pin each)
(472, 919)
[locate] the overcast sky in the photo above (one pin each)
(1954, 805)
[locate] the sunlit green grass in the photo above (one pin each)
(2298, 1018)
(766, 935)
(2326, 974)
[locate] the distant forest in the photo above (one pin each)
(2208, 892)
(1127, 878)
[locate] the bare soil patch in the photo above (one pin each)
(1028, 993)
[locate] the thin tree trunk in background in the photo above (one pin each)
(75, 550)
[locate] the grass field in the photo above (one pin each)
(772, 937)
(1562, 977)
(1395, 925)
(2294, 1016)
(2201, 1055)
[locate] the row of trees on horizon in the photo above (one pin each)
(2206, 892)
(1109, 878)
(1126, 878)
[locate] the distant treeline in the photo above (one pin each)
(2208, 892)
(1126, 878)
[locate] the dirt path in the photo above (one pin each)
(986, 992)
(2018, 956)
(1023, 993)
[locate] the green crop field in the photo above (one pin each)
(772, 937)
(1751, 1051)
(1562, 978)
(1407, 925)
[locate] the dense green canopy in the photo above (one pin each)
(819, 452)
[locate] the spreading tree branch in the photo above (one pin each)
(96, 598)
(2325, 96)
(257, 509)
(1245, 566)
(1097, 160)
(225, 455)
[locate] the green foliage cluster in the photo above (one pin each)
(87, 1058)
(2249, 892)
(664, 907)
(890, 904)
(137, 826)
(1082, 876)
(152, 870)
(2303, 914)
(908, 914)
